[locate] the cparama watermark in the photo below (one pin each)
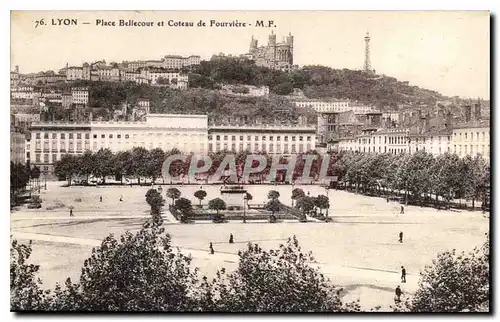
(254, 164)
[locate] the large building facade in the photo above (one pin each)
(270, 139)
(188, 133)
(276, 55)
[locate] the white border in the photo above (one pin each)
(190, 5)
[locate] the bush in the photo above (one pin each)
(78, 200)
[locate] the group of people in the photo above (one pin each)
(211, 246)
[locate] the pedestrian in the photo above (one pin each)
(231, 240)
(71, 212)
(403, 274)
(400, 236)
(211, 249)
(121, 198)
(402, 210)
(387, 199)
(100, 199)
(398, 294)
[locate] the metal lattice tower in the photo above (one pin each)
(367, 66)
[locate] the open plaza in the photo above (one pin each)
(358, 250)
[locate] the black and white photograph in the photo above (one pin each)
(250, 161)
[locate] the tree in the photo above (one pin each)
(66, 168)
(297, 193)
(217, 204)
(137, 272)
(19, 177)
(455, 282)
(185, 207)
(273, 206)
(123, 164)
(273, 194)
(103, 164)
(155, 161)
(322, 202)
(276, 280)
(173, 193)
(200, 194)
(306, 204)
(139, 162)
(156, 202)
(35, 172)
(26, 291)
(87, 165)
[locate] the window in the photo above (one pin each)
(78, 136)
(278, 138)
(46, 135)
(54, 135)
(54, 158)
(71, 136)
(286, 138)
(63, 136)
(37, 158)
(233, 138)
(225, 137)
(126, 136)
(466, 136)
(210, 137)
(103, 136)
(293, 148)
(256, 138)
(271, 138)
(241, 147)
(46, 158)
(119, 136)
(225, 145)
(241, 137)
(111, 136)
(38, 136)
(256, 147)
(248, 146)
(95, 136)
(293, 138)
(210, 147)
(233, 146)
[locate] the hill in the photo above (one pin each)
(316, 82)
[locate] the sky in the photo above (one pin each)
(444, 51)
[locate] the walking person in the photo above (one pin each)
(211, 249)
(231, 239)
(402, 210)
(121, 198)
(398, 294)
(100, 199)
(400, 236)
(403, 274)
(71, 212)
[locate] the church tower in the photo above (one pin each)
(253, 44)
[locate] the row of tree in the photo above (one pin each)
(144, 272)
(420, 175)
